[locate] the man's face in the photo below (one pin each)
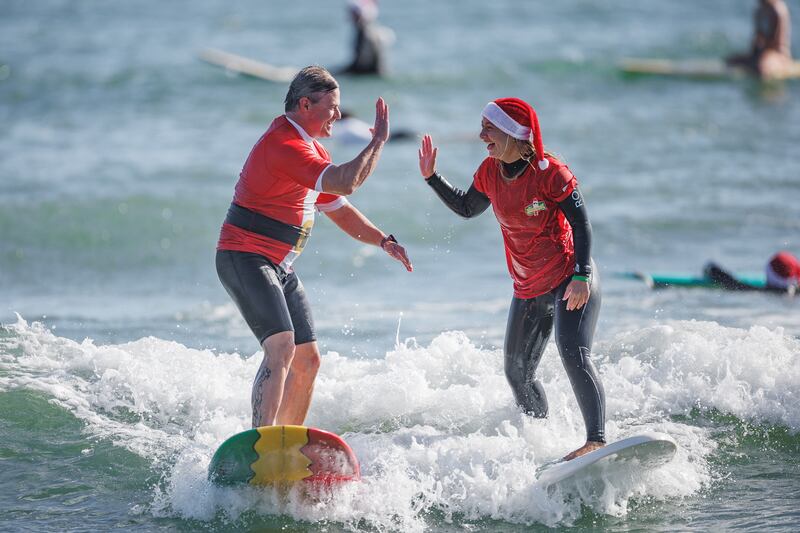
(321, 115)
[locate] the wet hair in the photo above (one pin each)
(526, 151)
(311, 82)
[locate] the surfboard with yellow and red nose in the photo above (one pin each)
(272, 455)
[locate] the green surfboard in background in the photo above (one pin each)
(675, 279)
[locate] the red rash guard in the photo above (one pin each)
(278, 181)
(537, 236)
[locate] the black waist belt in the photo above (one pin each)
(249, 220)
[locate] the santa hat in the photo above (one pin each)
(517, 118)
(785, 265)
(365, 9)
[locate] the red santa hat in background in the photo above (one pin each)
(785, 265)
(517, 118)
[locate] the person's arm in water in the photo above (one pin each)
(354, 223)
(344, 179)
(574, 209)
(466, 204)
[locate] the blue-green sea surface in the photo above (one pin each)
(124, 364)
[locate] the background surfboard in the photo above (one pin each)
(248, 67)
(693, 68)
(639, 452)
(677, 279)
(284, 454)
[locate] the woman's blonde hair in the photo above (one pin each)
(527, 151)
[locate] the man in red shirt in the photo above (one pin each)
(286, 178)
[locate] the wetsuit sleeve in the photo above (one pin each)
(574, 209)
(466, 204)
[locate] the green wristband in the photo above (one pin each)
(580, 278)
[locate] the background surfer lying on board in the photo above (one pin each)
(547, 239)
(782, 270)
(288, 175)
(770, 53)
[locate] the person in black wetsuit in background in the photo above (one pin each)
(770, 54)
(547, 238)
(368, 53)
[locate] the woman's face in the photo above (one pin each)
(500, 145)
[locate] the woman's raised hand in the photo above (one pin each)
(427, 157)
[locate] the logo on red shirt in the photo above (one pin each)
(535, 208)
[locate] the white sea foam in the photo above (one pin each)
(434, 426)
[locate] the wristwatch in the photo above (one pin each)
(388, 238)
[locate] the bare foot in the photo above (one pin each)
(590, 446)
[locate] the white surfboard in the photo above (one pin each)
(642, 451)
(696, 68)
(248, 67)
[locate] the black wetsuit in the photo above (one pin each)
(531, 320)
(728, 281)
(368, 56)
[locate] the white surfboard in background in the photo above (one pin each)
(249, 67)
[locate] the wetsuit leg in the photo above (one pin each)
(574, 333)
(254, 283)
(530, 322)
(299, 310)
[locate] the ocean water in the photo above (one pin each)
(123, 363)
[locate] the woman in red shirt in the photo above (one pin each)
(547, 238)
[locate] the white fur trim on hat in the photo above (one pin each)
(543, 164)
(495, 114)
(776, 280)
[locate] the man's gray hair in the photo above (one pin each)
(310, 82)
